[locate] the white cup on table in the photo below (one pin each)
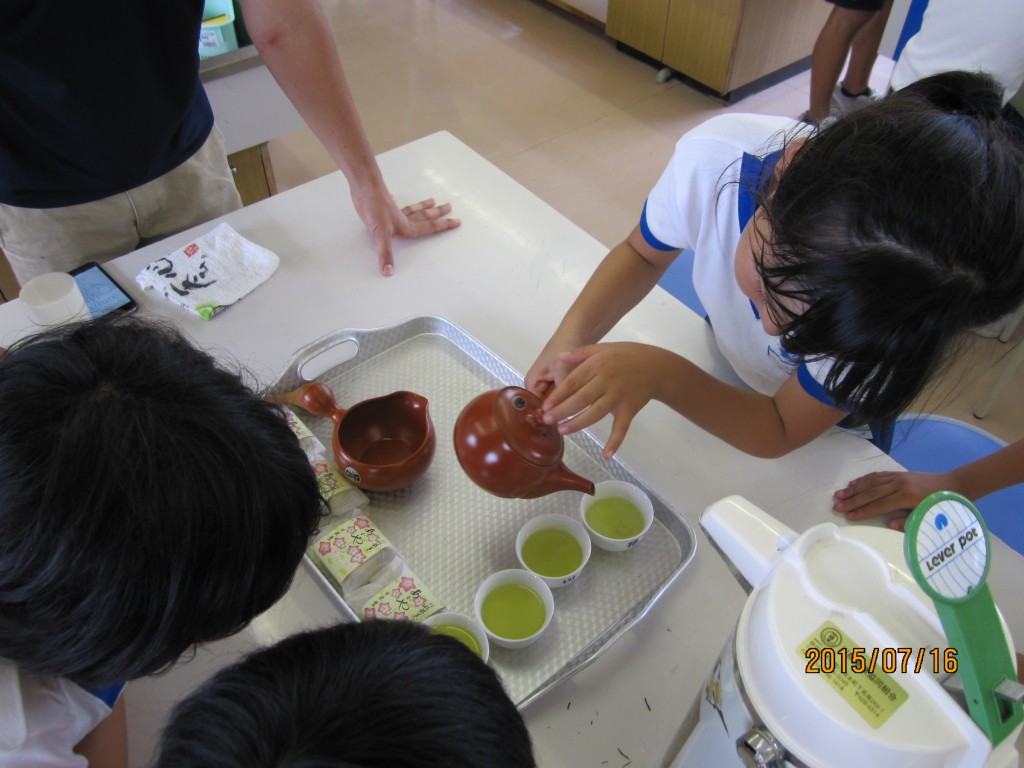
(53, 298)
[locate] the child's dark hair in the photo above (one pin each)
(899, 227)
(382, 693)
(148, 501)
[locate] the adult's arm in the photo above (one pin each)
(295, 41)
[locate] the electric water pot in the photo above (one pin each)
(839, 599)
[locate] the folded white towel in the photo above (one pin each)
(211, 273)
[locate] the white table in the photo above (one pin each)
(507, 276)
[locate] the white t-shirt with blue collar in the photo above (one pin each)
(42, 719)
(702, 201)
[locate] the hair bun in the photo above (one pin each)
(975, 94)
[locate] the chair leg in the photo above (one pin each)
(1013, 361)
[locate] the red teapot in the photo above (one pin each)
(505, 447)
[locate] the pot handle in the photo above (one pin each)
(748, 538)
(315, 397)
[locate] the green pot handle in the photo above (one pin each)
(947, 549)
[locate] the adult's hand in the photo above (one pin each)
(384, 220)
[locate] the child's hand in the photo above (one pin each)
(617, 378)
(543, 375)
(549, 370)
(883, 492)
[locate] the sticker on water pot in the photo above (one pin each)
(403, 598)
(952, 550)
(856, 673)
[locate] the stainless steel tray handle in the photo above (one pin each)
(318, 363)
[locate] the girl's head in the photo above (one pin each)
(891, 232)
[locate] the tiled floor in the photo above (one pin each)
(548, 99)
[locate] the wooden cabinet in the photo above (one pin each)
(254, 175)
(640, 24)
(725, 45)
(9, 288)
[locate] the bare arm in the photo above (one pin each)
(620, 378)
(295, 41)
(589, 381)
(627, 274)
(998, 470)
(880, 493)
(106, 745)
(761, 425)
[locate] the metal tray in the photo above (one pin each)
(453, 534)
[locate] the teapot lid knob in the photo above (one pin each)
(520, 419)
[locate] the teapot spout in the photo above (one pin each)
(562, 478)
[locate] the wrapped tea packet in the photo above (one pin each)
(404, 597)
(351, 554)
(341, 495)
(371, 575)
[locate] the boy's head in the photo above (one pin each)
(382, 693)
(148, 501)
(892, 231)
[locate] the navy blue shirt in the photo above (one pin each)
(96, 97)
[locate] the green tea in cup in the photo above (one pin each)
(552, 552)
(461, 634)
(513, 611)
(615, 518)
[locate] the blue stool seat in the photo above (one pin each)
(929, 443)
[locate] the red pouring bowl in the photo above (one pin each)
(381, 444)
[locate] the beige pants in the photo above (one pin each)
(38, 240)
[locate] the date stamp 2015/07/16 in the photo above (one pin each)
(888, 660)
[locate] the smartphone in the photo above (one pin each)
(102, 294)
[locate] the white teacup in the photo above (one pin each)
(461, 621)
(512, 629)
(607, 537)
(546, 568)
